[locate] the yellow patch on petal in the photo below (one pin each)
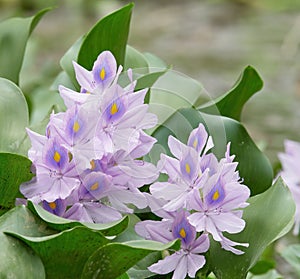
(102, 74)
(114, 109)
(93, 165)
(182, 233)
(195, 143)
(187, 168)
(76, 127)
(216, 195)
(56, 157)
(52, 205)
(95, 186)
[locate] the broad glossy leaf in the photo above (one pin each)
(231, 103)
(254, 167)
(16, 258)
(64, 254)
(60, 223)
(67, 65)
(13, 116)
(114, 259)
(173, 91)
(271, 274)
(155, 63)
(135, 60)
(110, 33)
(292, 255)
(268, 217)
(14, 33)
(14, 169)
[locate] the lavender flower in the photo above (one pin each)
(87, 164)
(290, 173)
(199, 183)
(187, 260)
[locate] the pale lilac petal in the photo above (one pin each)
(229, 222)
(84, 77)
(198, 138)
(227, 245)
(166, 190)
(144, 146)
(120, 197)
(72, 98)
(169, 166)
(181, 269)
(149, 121)
(166, 265)
(155, 230)
(200, 245)
(104, 69)
(101, 213)
(210, 227)
(198, 220)
(194, 263)
(177, 148)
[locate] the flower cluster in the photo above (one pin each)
(88, 167)
(87, 164)
(203, 196)
(290, 173)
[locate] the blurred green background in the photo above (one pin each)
(211, 41)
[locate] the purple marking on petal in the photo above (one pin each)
(56, 207)
(198, 138)
(216, 194)
(75, 125)
(114, 110)
(55, 156)
(188, 167)
(104, 69)
(183, 229)
(96, 183)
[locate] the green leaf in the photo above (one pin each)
(173, 91)
(67, 65)
(110, 33)
(14, 33)
(254, 167)
(14, 169)
(271, 274)
(292, 255)
(13, 116)
(64, 254)
(18, 260)
(268, 217)
(135, 60)
(231, 103)
(114, 259)
(60, 223)
(155, 63)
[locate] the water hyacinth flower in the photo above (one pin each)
(88, 164)
(290, 173)
(188, 260)
(210, 189)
